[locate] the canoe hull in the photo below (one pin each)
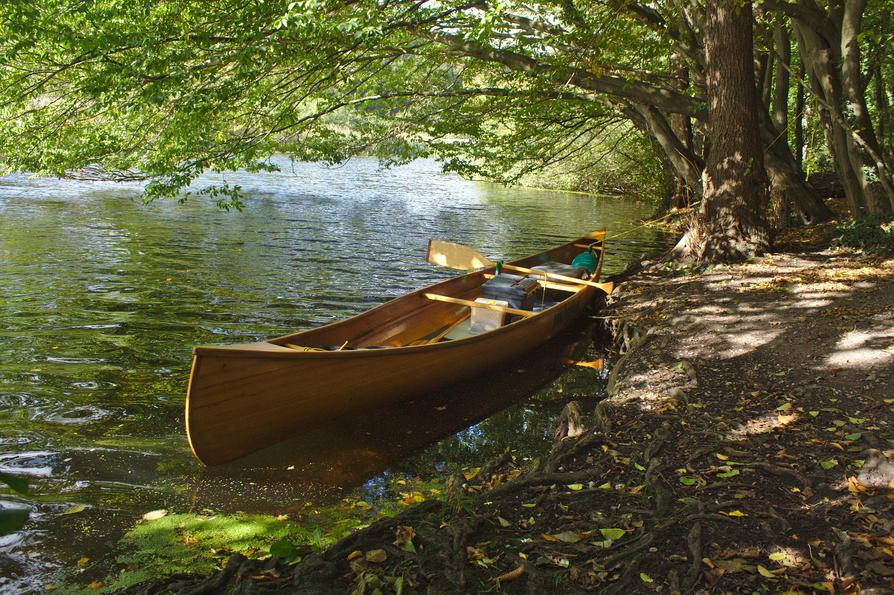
(243, 398)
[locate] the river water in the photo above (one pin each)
(102, 298)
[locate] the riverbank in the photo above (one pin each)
(746, 444)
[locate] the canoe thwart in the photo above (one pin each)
(452, 300)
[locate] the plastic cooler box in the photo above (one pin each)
(517, 291)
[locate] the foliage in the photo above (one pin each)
(166, 91)
(870, 235)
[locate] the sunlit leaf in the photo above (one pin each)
(575, 486)
(829, 463)
(612, 533)
(645, 578)
(376, 556)
(686, 480)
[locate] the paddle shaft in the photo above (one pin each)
(557, 277)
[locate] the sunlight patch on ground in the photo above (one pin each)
(864, 349)
(762, 424)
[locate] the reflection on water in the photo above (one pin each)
(102, 298)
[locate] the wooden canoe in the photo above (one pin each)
(242, 398)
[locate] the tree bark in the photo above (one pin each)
(879, 200)
(731, 224)
(682, 194)
(780, 201)
(799, 116)
(880, 98)
(819, 58)
(787, 178)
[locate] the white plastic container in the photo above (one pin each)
(483, 320)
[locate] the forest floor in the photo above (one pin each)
(747, 444)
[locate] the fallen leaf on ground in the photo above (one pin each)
(512, 574)
(376, 556)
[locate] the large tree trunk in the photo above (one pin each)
(787, 178)
(682, 194)
(869, 152)
(819, 59)
(731, 223)
(780, 201)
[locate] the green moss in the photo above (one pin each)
(191, 543)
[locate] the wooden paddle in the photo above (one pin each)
(464, 258)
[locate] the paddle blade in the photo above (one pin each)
(455, 256)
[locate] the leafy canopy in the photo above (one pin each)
(166, 90)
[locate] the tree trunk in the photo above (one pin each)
(682, 194)
(868, 154)
(780, 201)
(799, 116)
(787, 178)
(880, 98)
(731, 223)
(819, 58)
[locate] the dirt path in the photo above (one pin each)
(747, 445)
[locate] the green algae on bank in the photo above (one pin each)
(163, 544)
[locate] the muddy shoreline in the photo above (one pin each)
(746, 445)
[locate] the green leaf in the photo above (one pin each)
(613, 533)
(731, 473)
(284, 550)
(829, 463)
(764, 572)
(645, 578)
(12, 519)
(19, 484)
(854, 436)
(686, 480)
(575, 486)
